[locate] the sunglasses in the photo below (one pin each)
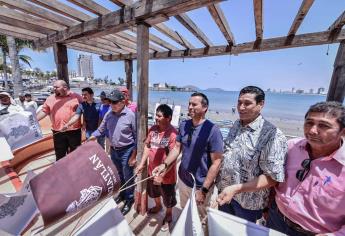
(302, 173)
(190, 135)
(114, 102)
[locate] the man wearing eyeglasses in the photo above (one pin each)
(311, 201)
(120, 124)
(201, 145)
(254, 158)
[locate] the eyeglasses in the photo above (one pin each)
(302, 173)
(190, 135)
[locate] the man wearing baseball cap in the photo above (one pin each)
(121, 125)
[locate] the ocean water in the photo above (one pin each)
(277, 105)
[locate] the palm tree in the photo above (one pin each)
(10, 46)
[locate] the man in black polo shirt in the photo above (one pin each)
(90, 110)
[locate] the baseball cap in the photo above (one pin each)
(115, 96)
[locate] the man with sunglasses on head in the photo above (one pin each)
(201, 144)
(311, 201)
(254, 158)
(120, 123)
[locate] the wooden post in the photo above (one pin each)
(129, 71)
(142, 101)
(336, 91)
(61, 61)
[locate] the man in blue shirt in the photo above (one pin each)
(105, 107)
(120, 123)
(201, 144)
(90, 111)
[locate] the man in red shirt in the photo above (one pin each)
(61, 106)
(160, 140)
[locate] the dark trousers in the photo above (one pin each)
(276, 221)
(66, 142)
(234, 208)
(120, 159)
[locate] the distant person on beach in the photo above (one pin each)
(120, 124)
(130, 104)
(311, 201)
(201, 145)
(20, 100)
(90, 111)
(233, 109)
(29, 104)
(60, 107)
(160, 141)
(254, 159)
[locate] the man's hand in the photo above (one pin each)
(132, 161)
(139, 169)
(65, 127)
(159, 170)
(227, 194)
(200, 197)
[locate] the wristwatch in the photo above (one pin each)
(204, 190)
(165, 165)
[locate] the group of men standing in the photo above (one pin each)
(256, 170)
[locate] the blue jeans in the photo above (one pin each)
(276, 222)
(234, 208)
(120, 159)
(88, 133)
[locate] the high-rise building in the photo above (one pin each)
(85, 66)
(321, 90)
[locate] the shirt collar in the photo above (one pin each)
(338, 155)
(256, 124)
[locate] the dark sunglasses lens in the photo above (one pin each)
(306, 163)
(114, 102)
(300, 175)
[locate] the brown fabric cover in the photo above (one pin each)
(83, 177)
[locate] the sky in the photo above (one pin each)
(301, 68)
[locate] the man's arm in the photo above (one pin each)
(40, 115)
(143, 161)
(74, 119)
(261, 182)
(212, 173)
(173, 154)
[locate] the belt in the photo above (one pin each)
(293, 225)
(121, 148)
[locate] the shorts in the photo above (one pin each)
(166, 191)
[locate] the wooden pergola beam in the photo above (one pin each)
(122, 19)
(61, 60)
(185, 20)
(218, 16)
(122, 3)
(258, 22)
(90, 6)
(62, 9)
(301, 14)
(336, 91)
(161, 27)
(17, 35)
(335, 28)
(302, 40)
(87, 48)
(30, 33)
(97, 9)
(17, 15)
(25, 25)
